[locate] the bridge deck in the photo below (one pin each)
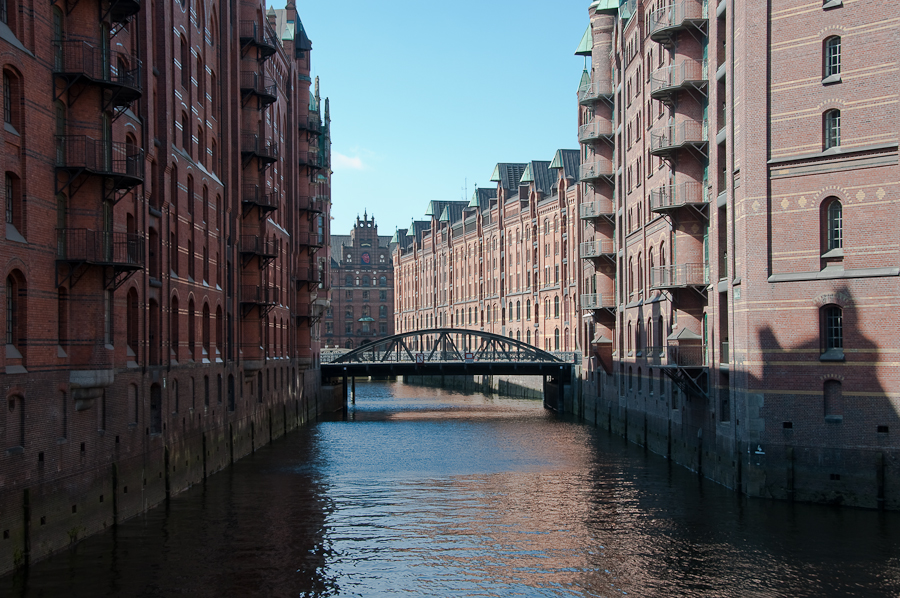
(449, 368)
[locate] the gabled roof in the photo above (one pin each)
(543, 178)
(338, 242)
(569, 161)
(436, 208)
(508, 174)
(482, 197)
(399, 237)
(586, 45)
(453, 212)
(417, 227)
(585, 83)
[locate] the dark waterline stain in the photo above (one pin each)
(425, 492)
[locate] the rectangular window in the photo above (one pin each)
(832, 129)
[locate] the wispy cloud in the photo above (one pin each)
(342, 162)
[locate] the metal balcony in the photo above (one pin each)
(597, 249)
(601, 208)
(308, 275)
(121, 250)
(690, 134)
(309, 239)
(655, 355)
(312, 123)
(121, 254)
(80, 63)
(254, 146)
(261, 296)
(312, 204)
(680, 15)
(679, 276)
(598, 301)
(121, 164)
(259, 85)
(594, 171)
(259, 246)
(254, 35)
(687, 356)
(256, 196)
(120, 11)
(591, 132)
(311, 159)
(672, 197)
(667, 82)
(598, 90)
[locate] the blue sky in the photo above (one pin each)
(426, 97)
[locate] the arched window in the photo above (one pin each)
(219, 330)
(832, 331)
(12, 197)
(833, 398)
(132, 322)
(382, 311)
(16, 312)
(556, 340)
(518, 310)
(185, 67)
(174, 333)
(348, 280)
(11, 100)
(205, 331)
(191, 329)
(382, 281)
(831, 57)
(528, 336)
(365, 281)
(831, 122)
(834, 224)
(556, 307)
(528, 310)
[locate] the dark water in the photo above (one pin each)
(432, 493)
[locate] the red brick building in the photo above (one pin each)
(506, 262)
(165, 253)
(740, 169)
(362, 285)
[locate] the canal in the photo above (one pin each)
(426, 492)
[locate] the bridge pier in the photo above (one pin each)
(353, 389)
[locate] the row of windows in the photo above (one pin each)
(366, 281)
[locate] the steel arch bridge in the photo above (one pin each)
(447, 352)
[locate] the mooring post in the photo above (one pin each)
(344, 386)
(353, 389)
(560, 396)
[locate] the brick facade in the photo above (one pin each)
(165, 253)
(362, 284)
(750, 335)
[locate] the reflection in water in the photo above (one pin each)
(431, 493)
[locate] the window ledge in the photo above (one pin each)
(832, 79)
(832, 355)
(13, 234)
(837, 252)
(832, 4)
(834, 273)
(10, 129)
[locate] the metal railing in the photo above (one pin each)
(675, 196)
(690, 356)
(671, 136)
(598, 301)
(590, 249)
(261, 85)
(97, 64)
(310, 239)
(251, 143)
(674, 15)
(595, 130)
(100, 247)
(678, 74)
(311, 158)
(105, 157)
(597, 169)
(312, 123)
(596, 209)
(313, 204)
(679, 275)
(594, 91)
(256, 195)
(259, 245)
(260, 294)
(251, 31)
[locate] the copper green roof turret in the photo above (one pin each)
(527, 176)
(585, 83)
(587, 43)
(601, 5)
